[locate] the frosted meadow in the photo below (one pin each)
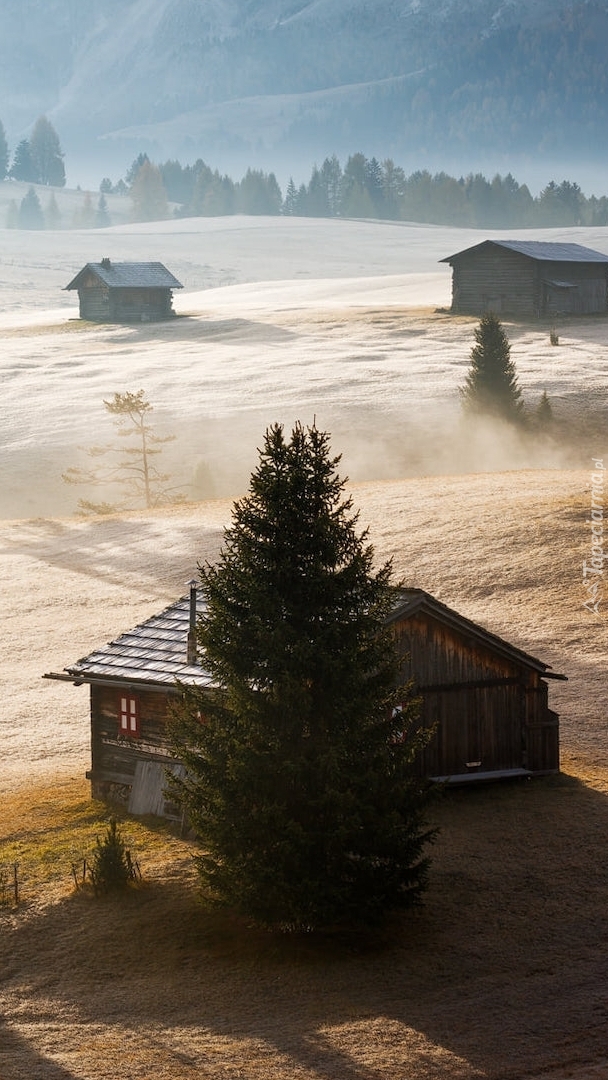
(284, 320)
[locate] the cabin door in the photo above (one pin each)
(479, 729)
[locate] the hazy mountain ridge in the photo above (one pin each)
(172, 76)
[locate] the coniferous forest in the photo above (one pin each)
(361, 188)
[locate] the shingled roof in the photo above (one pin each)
(154, 653)
(128, 275)
(540, 250)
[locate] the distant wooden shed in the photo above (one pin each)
(125, 292)
(485, 699)
(529, 278)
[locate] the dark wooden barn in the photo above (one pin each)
(125, 292)
(486, 700)
(529, 278)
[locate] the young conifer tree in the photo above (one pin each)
(299, 779)
(491, 386)
(543, 414)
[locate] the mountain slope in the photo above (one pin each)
(225, 78)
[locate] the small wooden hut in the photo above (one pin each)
(125, 292)
(529, 279)
(486, 700)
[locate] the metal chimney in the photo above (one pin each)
(191, 647)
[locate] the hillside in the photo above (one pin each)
(280, 319)
(283, 83)
(502, 975)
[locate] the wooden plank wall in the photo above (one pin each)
(100, 304)
(484, 707)
(508, 283)
(495, 279)
(435, 654)
(114, 758)
(590, 297)
(141, 305)
(94, 303)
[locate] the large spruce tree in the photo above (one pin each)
(491, 386)
(299, 779)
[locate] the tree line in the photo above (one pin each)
(362, 188)
(37, 160)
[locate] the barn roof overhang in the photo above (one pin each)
(411, 602)
(169, 687)
(537, 250)
(127, 275)
(153, 656)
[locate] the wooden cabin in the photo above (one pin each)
(486, 700)
(125, 292)
(529, 279)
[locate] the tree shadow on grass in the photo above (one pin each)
(504, 972)
(199, 327)
(19, 1061)
(113, 548)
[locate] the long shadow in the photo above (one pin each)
(199, 327)
(111, 549)
(504, 973)
(19, 1060)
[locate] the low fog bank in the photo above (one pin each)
(368, 349)
(212, 458)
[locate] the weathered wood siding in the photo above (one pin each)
(588, 297)
(506, 282)
(98, 303)
(95, 303)
(494, 279)
(489, 713)
(115, 757)
(140, 305)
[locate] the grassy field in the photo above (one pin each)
(501, 974)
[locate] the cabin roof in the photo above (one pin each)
(413, 601)
(540, 251)
(155, 652)
(128, 275)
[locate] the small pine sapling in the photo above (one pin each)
(112, 868)
(491, 386)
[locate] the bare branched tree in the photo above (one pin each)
(130, 466)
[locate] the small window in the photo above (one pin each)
(128, 716)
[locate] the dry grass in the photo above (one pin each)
(503, 974)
